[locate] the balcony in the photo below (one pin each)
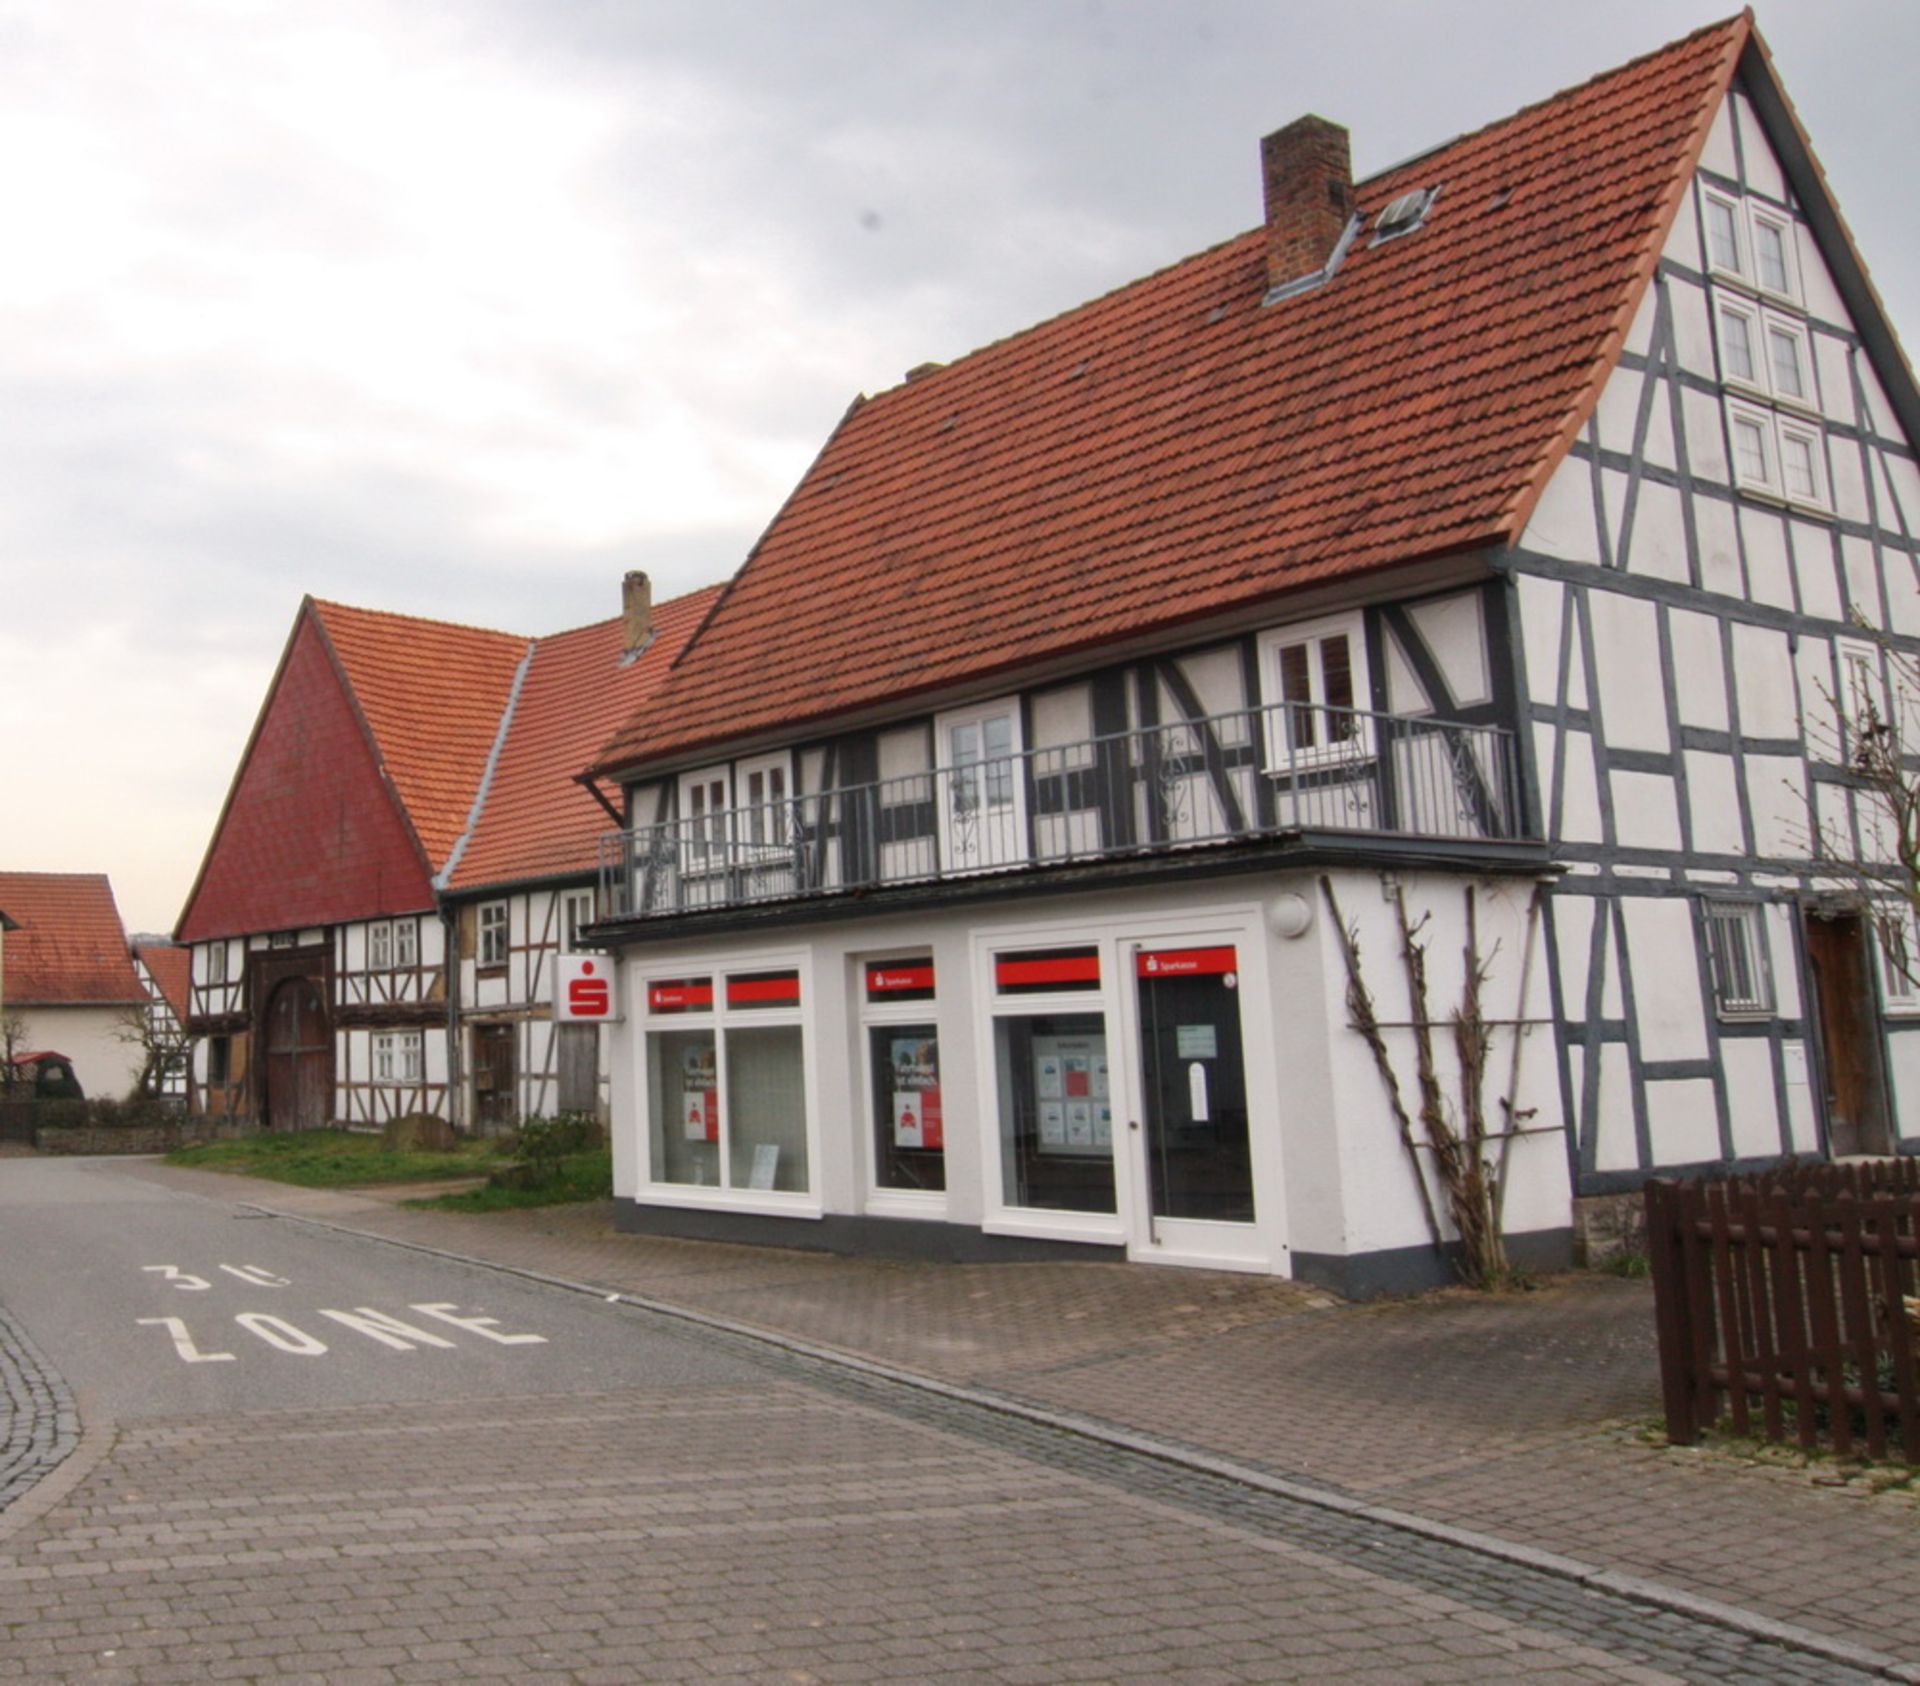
(1278, 772)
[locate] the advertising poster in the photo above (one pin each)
(917, 1120)
(1072, 1111)
(700, 1094)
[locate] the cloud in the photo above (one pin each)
(461, 311)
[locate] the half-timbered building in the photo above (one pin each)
(1480, 547)
(404, 848)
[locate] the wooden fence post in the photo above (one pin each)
(1673, 1316)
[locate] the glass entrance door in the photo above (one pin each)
(1193, 1097)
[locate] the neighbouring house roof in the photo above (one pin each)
(395, 755)
(1179, 449)
(432, 693)
(171, 968)
(535, 820)
(69, 948)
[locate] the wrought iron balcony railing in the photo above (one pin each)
(1223, 779)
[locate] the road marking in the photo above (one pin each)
(444, 1310)
(389, 1331)
(180, 1279)
(254, 1274)
(277, 1331)
(183, 1342)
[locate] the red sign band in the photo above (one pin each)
(1186, 963)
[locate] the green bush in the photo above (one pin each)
(544, 1144)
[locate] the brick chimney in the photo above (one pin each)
(1309, 189)
(636, 609)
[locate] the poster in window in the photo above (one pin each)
(1070, 1095)
(700, 1094)
(917, 1117)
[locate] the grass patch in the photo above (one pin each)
(587, 1175)
(336, 1159)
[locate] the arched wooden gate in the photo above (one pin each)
(299, 1057)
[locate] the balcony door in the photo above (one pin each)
(981, 783)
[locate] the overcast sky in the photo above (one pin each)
(463, 309)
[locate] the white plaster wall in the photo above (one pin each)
(107, 1067)
(1341, 1174)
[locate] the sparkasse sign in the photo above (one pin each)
(583, 989)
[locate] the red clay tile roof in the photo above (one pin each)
(70, 949)
(432, 693)
(171, 968)
(536, 821)
(1176, 449)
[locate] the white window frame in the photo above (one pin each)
(718, 1018)
(1747, 922)
(217, 964)
(706, 842)
(1001, 838)
(1768, 483)
(380, 946)
(572, 918)
(1741, 246)
(406, 943)
(495, 926)
(1811, 435)
(383, 1062)
(896, 1202)
(763, 827)
(412, 1049)
(1861, 686)
(1773, 323)
(1746, 311)
(1899, 994)
(1283, 756)
(1763, 216)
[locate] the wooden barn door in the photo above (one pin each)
(1850, 1062)
(299, 1057)
(494, 1110)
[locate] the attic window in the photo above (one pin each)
(1403, 214)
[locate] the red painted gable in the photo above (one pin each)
(312, 833)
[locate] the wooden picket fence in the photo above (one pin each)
(1788, 1303)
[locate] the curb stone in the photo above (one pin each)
(39, 1424)
(1631, 1588)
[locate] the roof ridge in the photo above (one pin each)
(324, 605)
(444, 876)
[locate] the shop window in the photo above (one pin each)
(406, 942)
(726, 1083)
(1056, 1111)
(493, 933)
(1315, 677)
(1737, 957)
(380, 946)
(903, 1062)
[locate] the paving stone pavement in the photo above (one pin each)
(1503, 1415)
(38, 1424)
(817, 1527)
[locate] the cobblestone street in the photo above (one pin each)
(832, 1521)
